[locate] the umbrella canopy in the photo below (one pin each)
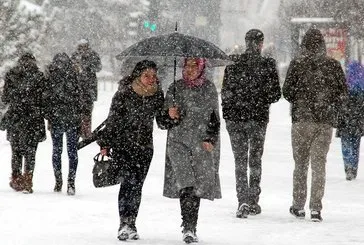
(164, 49)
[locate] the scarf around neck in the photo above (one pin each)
(144, 90)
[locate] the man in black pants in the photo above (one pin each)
(249, 87)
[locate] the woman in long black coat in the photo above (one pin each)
(24, 120)
(129, 133)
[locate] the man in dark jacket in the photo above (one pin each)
(315, 87)
(249, 87)
(87, 63)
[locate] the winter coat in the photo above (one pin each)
(62, 94)
(315, 83)
(351, 117)
(187, 163)
(88, 63)
(249, 87)
(131, 117)
(23, 90)
(315, 101)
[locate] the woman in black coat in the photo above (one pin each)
(63, 111)
(129, 133)
(24, 120)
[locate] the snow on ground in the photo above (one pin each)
(91, 217)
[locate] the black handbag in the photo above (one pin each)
(105, 171)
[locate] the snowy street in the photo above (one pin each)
(91, 216)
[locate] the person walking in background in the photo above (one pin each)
(315, 87)
(24, 120)
(87, 63)
(63, 112)
(193, 145)
(249, 87)
(129, 134)
(351, 119)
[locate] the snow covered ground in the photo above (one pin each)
(91, 217)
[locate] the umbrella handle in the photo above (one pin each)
(174, 80)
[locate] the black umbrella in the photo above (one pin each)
(165, 48)
(171, 49)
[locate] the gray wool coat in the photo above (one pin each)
(187, 163)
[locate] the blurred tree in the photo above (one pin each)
(110, 26)
(21, 30)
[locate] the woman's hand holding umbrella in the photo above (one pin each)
(173, 113)
(207, 146)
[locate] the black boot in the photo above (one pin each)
(255, 209)
(59, 182)
(17, 182)
(189, 211)
(71, 189)
(243, 211)
(127, 229)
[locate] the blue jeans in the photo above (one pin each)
(57, 139)
(350, 146)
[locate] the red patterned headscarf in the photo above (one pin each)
(201, 78)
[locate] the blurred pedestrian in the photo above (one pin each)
(351, 119)
(128, 133)
(63, 111)
(87, 63)
(24, 120)
(193, 146)
(249, 87)
(315, 87)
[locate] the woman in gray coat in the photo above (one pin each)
(193, 148)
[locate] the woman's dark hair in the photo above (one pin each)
(137, 71)
(141, 66)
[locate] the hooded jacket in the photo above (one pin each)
(351, 117)
(315, 83)
(23, 92)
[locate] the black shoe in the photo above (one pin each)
(299, 214)
(349, 172)
(189, 236)
(58, 186)
(127, 231)
(355, 172)
(255, 209)
(243, 211)
(71, 189)
(316, 216)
